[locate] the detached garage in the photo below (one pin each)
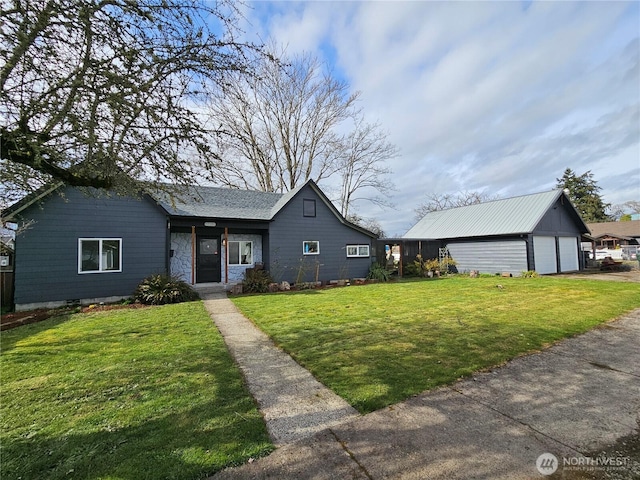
(538, 232)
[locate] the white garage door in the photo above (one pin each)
(544, 254)
(490, 257)
(568, 247)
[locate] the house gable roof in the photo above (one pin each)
(226, 203)
(214, 202)
(12, 212)
(510, 216)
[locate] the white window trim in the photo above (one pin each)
(100, 240)
(311, 253)
(240, 254)
(358, 254)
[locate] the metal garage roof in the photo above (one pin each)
(517, 215)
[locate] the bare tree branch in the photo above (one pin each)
(281, 124)
(437, 202)
(363, 156)
(99, 91)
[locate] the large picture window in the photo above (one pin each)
(240, 253)
(311, 247)
(99, 255)
(357, 250)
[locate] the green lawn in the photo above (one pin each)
(125, 394)
(378, 344)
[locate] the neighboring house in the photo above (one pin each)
(98, 247)
(540, 232)
(7, 245)
(619, 240)
(615, 234)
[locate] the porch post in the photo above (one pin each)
(226, 254)
(193, 255)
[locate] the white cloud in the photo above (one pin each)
(484, 95)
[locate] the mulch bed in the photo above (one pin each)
(16, 319)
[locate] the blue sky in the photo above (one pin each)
(498, 97)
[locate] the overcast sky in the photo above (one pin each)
(498, 97)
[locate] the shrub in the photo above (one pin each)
(530, 274)
(422, 267)
(160, 289)
(256, 281)
(412, 269)
(378, 272)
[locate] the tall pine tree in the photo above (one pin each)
(584, 193)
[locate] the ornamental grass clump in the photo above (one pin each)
(256, 281)
(161, 289)
(378, 272)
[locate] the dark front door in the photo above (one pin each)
(208, 260)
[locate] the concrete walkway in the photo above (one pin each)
(572, 399)
(293, 403)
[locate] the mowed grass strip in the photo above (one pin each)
(376, 345)
(125, 394)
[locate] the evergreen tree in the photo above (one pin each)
(584, 193)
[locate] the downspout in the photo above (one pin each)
(193, 255)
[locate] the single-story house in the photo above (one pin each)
(540, 232)
(95, 246)
(619, 240)
(615, 234)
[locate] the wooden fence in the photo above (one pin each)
(6, 287)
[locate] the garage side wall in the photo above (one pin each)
(490, 256)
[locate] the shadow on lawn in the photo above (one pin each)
(177, 445)
(9, 338)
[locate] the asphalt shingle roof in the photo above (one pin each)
(630, 229)
(517, 215)
(216, 202)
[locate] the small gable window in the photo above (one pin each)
(311, 247)
(240, 253)
(99, 255)
(357, 250)
(308, 207)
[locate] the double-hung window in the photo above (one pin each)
(357, 250)
(240, 253)
(99, 255)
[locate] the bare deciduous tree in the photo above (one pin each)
(370, 224)
(285, 125)
(279, 125)
(445, 201)
(361, 164)
(100, 92)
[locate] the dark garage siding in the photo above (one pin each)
(47, 253)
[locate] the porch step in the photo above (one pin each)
(206, 288)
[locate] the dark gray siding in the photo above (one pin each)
(290, 228)
(558, 221)
(47, 252)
